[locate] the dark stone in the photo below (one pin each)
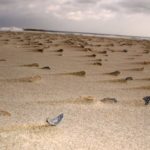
(125, 50)
(2, 60)
(109, 99)
(147, 100)
(46, 67)
(60, 50)
(98, 63)
(129, 78)
(40, 50)
(93, 55)
(115, 73)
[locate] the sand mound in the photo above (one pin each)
(79, 73)
(32, 65)
(27, 79)
(4, 113)
(115, 73)
(135, 69)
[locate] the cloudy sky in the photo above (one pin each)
(122, 17)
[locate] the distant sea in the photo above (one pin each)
(14, 29)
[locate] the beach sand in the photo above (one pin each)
(79, 67)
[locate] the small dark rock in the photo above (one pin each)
(40, 43)
(129, 78)
(2, 60)
(109, 99)
(46, 67)
(93, 55)
(115, 73)
(103, 52)
(60, 50)
(40, 50)
(98, 63)
(125, 50)
(147, 100)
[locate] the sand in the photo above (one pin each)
(74, 86)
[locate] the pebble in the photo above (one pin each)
(125, 50)
(60, 50)
(129, 78)
(46, 67)
(109, 99)
(147, 100)
(98, 63)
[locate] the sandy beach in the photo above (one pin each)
(43, 75)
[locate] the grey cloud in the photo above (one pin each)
(128, 6)
(87, 1)
(6, 1)
(136, 6)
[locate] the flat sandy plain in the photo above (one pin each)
(79, 77)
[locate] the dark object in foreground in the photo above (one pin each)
(56, 120)
(46, 67)
(2, 60)
(60, 50)
(125, 50)
(40, 50)
(109, 99)
(116, 73)
(129, 78)
(98, 63)
(147, 100)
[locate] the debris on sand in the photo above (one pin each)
(56, 120)
(147, 100)
(109, 100)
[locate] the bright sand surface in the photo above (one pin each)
(29, 95)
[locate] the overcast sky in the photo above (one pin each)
(123, 17)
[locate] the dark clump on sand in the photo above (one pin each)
(147, 100)
(109, 100)
(115, 73)
(46, 67)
